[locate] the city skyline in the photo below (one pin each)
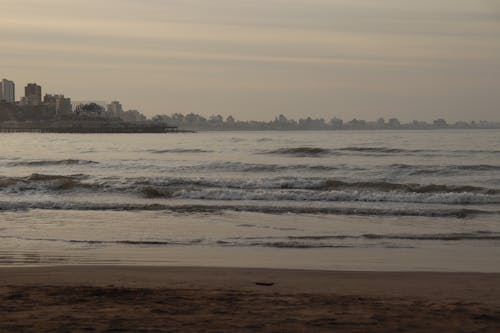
(353, 59)
(62, 105)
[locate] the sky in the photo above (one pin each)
(255, 59)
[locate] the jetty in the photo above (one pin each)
(85, 127)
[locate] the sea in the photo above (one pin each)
(330, 200)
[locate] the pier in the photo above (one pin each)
(88, 128)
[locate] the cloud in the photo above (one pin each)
(361, 57)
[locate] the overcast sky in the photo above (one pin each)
(255, 59)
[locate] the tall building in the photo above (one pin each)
(32, 94)
(7, 91)
(63, 105)
(58, 103)
(115, 109)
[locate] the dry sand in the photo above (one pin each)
(168, 299)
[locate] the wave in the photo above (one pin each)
(261, 167)
(313, 189)
(273, 189)
(443, 169)
(256, 167)
(42, 182)
(479, 235)
(339, 241)
(373, 151)
(479, 167)
(331, 196)
(388, 150)
(188, 242)
(316, 184)
(180, 151)
(204, 242)
(384, 186)
(301, 151)
(52, 162)
(301, 242)
(284, 244)
(407, 169)
(110, 242)
(440, 237)
(275, 209)
(380, 150)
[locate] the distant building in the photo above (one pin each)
(115, 109)
(133, 116)
(394, 123)
(336, 123)
(58, 103)
(32, 94)
(63, 105)
(49, 100)
(7, 91)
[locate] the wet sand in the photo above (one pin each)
(177, 299)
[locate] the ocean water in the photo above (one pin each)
(374, 200)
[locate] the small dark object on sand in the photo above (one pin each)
(266, 284)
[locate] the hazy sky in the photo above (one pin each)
(255, 59)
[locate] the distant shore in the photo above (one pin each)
(193, 299)
(161, 129)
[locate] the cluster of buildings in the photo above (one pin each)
(59, 105)
(33, 97)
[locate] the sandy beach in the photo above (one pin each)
(190, 299)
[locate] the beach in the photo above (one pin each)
(196, 299)
(249, 166)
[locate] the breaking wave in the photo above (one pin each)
(383, 186)
(272, 189)
(281, 189)
(332, 196)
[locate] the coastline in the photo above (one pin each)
(194, 299)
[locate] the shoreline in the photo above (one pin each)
(200, 299)
(375, 283)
